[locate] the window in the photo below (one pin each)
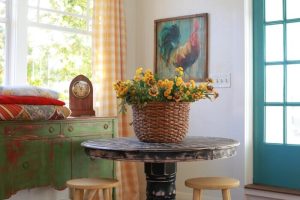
(276, 94)
(54, 39)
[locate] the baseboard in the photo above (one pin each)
(260, 195)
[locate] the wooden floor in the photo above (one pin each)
(273, 189)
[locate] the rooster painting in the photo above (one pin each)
(182, 43)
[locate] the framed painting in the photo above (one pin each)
(182, 42)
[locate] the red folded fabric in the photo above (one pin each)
(29, 100)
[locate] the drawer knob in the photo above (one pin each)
(25, 165)
(105, 126)
(70, 128)
(51, 129)
(9, 131)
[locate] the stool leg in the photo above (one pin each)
(226, 194)
(90, 194)
(78, 194)
(109, 194)
(106, 194)
(197, 194)
(71, 193)
(96, 196)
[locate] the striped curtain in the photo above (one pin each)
(109, 65)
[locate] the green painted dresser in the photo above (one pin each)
(48, 153)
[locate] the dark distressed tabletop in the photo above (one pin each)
(190, 149)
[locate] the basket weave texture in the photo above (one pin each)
(161, 122)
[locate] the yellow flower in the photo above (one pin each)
(177, 96)
(196, 96)
(167, 84)
(139, 71)
(145, 87)
(160, 83)
(179, 69)
(192, 82)
(182, 87)
(137, 78)
(167, 92)
(179, 81)
(123, 91)
(210, 80)
(121, 88)
(203, 86)
(153, 91)
(149, 79)
(148, 72)
(170, 84)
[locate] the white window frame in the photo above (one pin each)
(16, 48)
(16, 39)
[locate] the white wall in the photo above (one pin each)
(225, 116)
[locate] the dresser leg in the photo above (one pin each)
(160, 181)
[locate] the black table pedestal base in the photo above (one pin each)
(160, 181)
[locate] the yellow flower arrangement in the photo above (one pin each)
(146, 87)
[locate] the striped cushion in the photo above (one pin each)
(33, 112)
(10, 111)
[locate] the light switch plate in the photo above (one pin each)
(221, 80)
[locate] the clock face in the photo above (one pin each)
(81, 89)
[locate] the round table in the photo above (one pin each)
(160, 158)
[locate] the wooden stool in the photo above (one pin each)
(88, 188)
(212, 183)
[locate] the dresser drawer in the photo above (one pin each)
(30, 131)
(88, 128)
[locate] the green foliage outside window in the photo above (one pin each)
(55, 57)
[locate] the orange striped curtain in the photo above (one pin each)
(109, 65)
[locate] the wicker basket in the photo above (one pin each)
(161, 122)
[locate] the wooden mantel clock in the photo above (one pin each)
(81, 97)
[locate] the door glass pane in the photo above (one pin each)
(274, 83)
(293, 41)
(274, 43)
(292, 9)
(293, 125)
(293, 82)
(274, 124)
(273, 10)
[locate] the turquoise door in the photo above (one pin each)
(276, 31)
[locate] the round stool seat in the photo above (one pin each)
(92, 183)
(89, 188)
(212, 183)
